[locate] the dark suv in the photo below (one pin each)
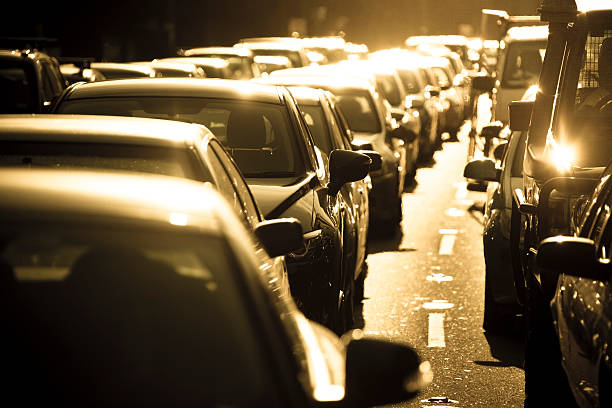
(29, 81)
(568, 146)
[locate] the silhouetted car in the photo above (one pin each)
(371, 124)
(212, 67)
(123, 290)
(582, 303)
(330, 132)
(262, 128)
(29, 81)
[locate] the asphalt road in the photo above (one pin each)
(425, 287)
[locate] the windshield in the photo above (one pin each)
(18, 88)
(523, 63)
(591, 126)
(358, 109)
(258, 135)
(409, 80)
(147, 159)
(389, 89)
(161, 312)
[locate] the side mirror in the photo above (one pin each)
(346, 166)
(483, 83)
(573, 256)
(482, 170)
(433, 90)
(492, 130)
(500, 150)
(379, 372)
(375, 157)
(520, 115)
(280, 236)
(403, 134)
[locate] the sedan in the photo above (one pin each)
(132, 293)
(262, 128)
(131, 144)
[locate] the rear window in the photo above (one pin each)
(359, 112)
(96, 309)
(18, 88)
(258, 135)
(523, 63)
(144, 159)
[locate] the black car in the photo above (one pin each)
(30, 80)
(262, 128)
(582, 303)
(132, 293)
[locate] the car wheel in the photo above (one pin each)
(546, 383)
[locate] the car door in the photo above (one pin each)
(586, 310)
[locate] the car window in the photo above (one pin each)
(250, 210)
(257, 135)
(224, 184)
(315, 119)
(359, 111)
(410, 81)
(523, 63)
(171, 318)
(148, 159)
(389, 88)
(18, 88)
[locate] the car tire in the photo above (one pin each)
(546, 383)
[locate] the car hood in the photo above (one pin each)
(276, 201)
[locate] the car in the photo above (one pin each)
(263, 130)
(519, 62)
(131, 144)
(164, 69)
(456, 43)
(30, 80)
(75, 69)
(330, 132)
(370, 122)
(331, 47)
(581, 304)
(122, 70)
(292, 48)
(423, 97)
(123, 289)
(501, 175)
(240, 60)
(567, 148)
(212, 67)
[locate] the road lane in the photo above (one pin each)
(431, 298)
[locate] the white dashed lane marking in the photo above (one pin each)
(435, 336)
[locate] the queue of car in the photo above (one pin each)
(547, 231)
(269, 192)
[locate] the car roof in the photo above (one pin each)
(436, 39)
(287, 45)
(111, 197)
(207, 61)
(314, 81)
(527, 33)
(178, 87)
(122, 66)
(306, 95)
(240, 52)
(101, 129)
(21, 54)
